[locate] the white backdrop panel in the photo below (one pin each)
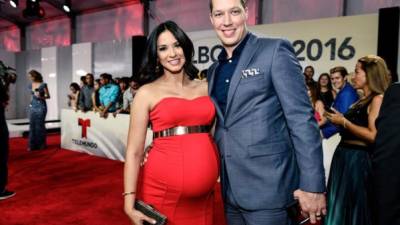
(49, 73)
(81, 60)
(114, 57)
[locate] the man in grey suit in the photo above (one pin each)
(268, 139)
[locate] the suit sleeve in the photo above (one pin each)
(347, 98)
(290, 87)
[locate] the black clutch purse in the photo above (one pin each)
(150, 212)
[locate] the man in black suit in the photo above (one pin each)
(386, 160)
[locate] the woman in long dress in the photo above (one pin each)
(181, 171)
(37, 111)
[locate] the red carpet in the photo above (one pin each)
(56, 186)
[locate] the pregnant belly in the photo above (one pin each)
(186, 164)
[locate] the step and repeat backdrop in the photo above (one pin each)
(322, 43)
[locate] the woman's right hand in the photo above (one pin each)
(137, 217)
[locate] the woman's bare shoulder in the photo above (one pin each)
(200, 85)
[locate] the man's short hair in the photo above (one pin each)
(106, 76)
(242, 2)
(343, 72)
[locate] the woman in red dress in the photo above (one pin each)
(181, 171)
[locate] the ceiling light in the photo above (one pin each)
(67, 6)
(14, 3)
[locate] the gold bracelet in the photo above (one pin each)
(128, 193)
(344, 123)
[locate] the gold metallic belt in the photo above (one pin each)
(181, 130)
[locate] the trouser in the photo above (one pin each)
(4, 148)
(236, 215)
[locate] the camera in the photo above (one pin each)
(7, 74)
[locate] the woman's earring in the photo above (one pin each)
(157, 68)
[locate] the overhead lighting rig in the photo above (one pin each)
(33, 10)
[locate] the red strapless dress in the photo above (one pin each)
(180, 174)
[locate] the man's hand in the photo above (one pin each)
(312, 204)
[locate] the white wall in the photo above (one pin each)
(64, 75)
(82, 62)
(50, 76)
(26, 61)
(113, 57)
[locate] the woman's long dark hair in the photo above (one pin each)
(329, 85)
(150, 68)
(37, 77)
(75, 86)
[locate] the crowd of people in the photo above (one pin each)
(104, 96)
(342, 110)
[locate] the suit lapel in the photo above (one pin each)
(244, 61)
(211, 79)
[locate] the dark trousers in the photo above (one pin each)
(3, 150)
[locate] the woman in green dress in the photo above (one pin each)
(349, 199)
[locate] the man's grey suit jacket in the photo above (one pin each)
(268, 139)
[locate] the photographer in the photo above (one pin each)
(7, 76)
